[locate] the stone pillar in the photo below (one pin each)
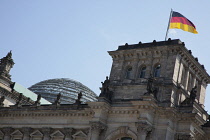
(26, 133)
(143, 129)
(46, 132)
(96, 129)
(186, 79)
(68, 133)
(7, 131)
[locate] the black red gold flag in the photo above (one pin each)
(180, 22)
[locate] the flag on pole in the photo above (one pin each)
(180, 22)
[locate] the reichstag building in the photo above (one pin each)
(155, 91)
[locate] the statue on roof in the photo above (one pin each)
(105, 91)
(6, 63)
(151, 89)
(193, 93)
(190, 100)
(20, 98)
(2, 101)
(9, 55)
(37, 102)
(58, 99)
(150, 81)
(78, 101)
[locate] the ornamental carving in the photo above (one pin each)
(143, 127)
(98, 126)
(7, 130)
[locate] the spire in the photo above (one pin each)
(6, 63)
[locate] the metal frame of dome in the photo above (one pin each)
(69, 89)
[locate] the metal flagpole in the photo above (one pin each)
(168, 25)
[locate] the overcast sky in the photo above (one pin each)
(70, 39)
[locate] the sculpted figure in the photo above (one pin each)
(2, 101)
(78, 101)
(58, 99)
(38, 99)
(193, 93)
(105, 92)
(150, 84)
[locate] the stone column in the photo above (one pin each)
(186, 79)
(143, 129)
(68, 133)
(46, 132)
(7, 131)
(26, 133)
(96, 128)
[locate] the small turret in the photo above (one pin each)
(6, 63)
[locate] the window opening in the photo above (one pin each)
(128, 73)
(142, 72)
(157, 71)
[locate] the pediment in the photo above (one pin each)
(17, 133)
(36, 133)
(79, 134)
(57, 134)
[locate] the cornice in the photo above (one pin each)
(118, 111)
(193, 63)
(99, 105)
(46, 114)
(143, 53)
(169, 113)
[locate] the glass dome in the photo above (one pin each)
(69, 89)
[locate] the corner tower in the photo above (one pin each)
(174, 69)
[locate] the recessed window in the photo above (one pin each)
(128, 73)
(157, 71)
(142, 72)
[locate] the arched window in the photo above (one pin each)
(157, 70)
(126, 138)
(142, 72)
(128, 73)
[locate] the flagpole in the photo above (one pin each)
(168, 25)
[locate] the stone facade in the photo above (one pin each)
(156, 91)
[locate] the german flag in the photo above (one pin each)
(180, 22)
